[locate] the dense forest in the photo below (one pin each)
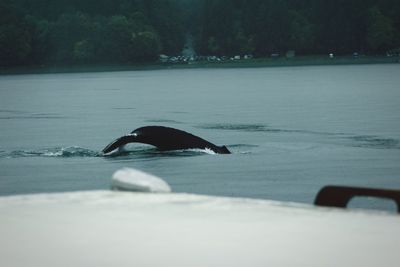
(37, 32)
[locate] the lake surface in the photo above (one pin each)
(292, 130)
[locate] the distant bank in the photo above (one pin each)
(241, 63)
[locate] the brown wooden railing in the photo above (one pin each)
(339, 196)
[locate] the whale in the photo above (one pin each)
(165, 139)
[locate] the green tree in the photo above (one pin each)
(126, 40)
(243, 44)
(212, 45)
(126, 31)
(15, 38)
(271, 26)
(69, 29)
(302, 33)
(116, 45)
(166, 19)
(146, 46)
(40, 30)
(83, 51)
(380, 31)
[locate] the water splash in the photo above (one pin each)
(79, 152)
(155, 153)
(63, 152)
(198, 150)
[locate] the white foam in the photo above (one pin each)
(128, 179)
(53, 154)
(199, 150)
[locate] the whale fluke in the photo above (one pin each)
(165, 138)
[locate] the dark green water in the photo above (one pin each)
(292, 130)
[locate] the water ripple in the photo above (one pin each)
(12, 115)
(163, 121)
(362, 141)
(372, 141)
(63, 152)
(236, 127)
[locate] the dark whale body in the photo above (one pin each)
(164, 138)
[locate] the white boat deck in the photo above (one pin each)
(109, 228)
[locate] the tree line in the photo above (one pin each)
(262, 27)
(88, 31)
(130, 31)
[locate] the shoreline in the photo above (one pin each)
(297, 61)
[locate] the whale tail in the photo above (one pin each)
(119, 142)
(223, 150)
(164, 138)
